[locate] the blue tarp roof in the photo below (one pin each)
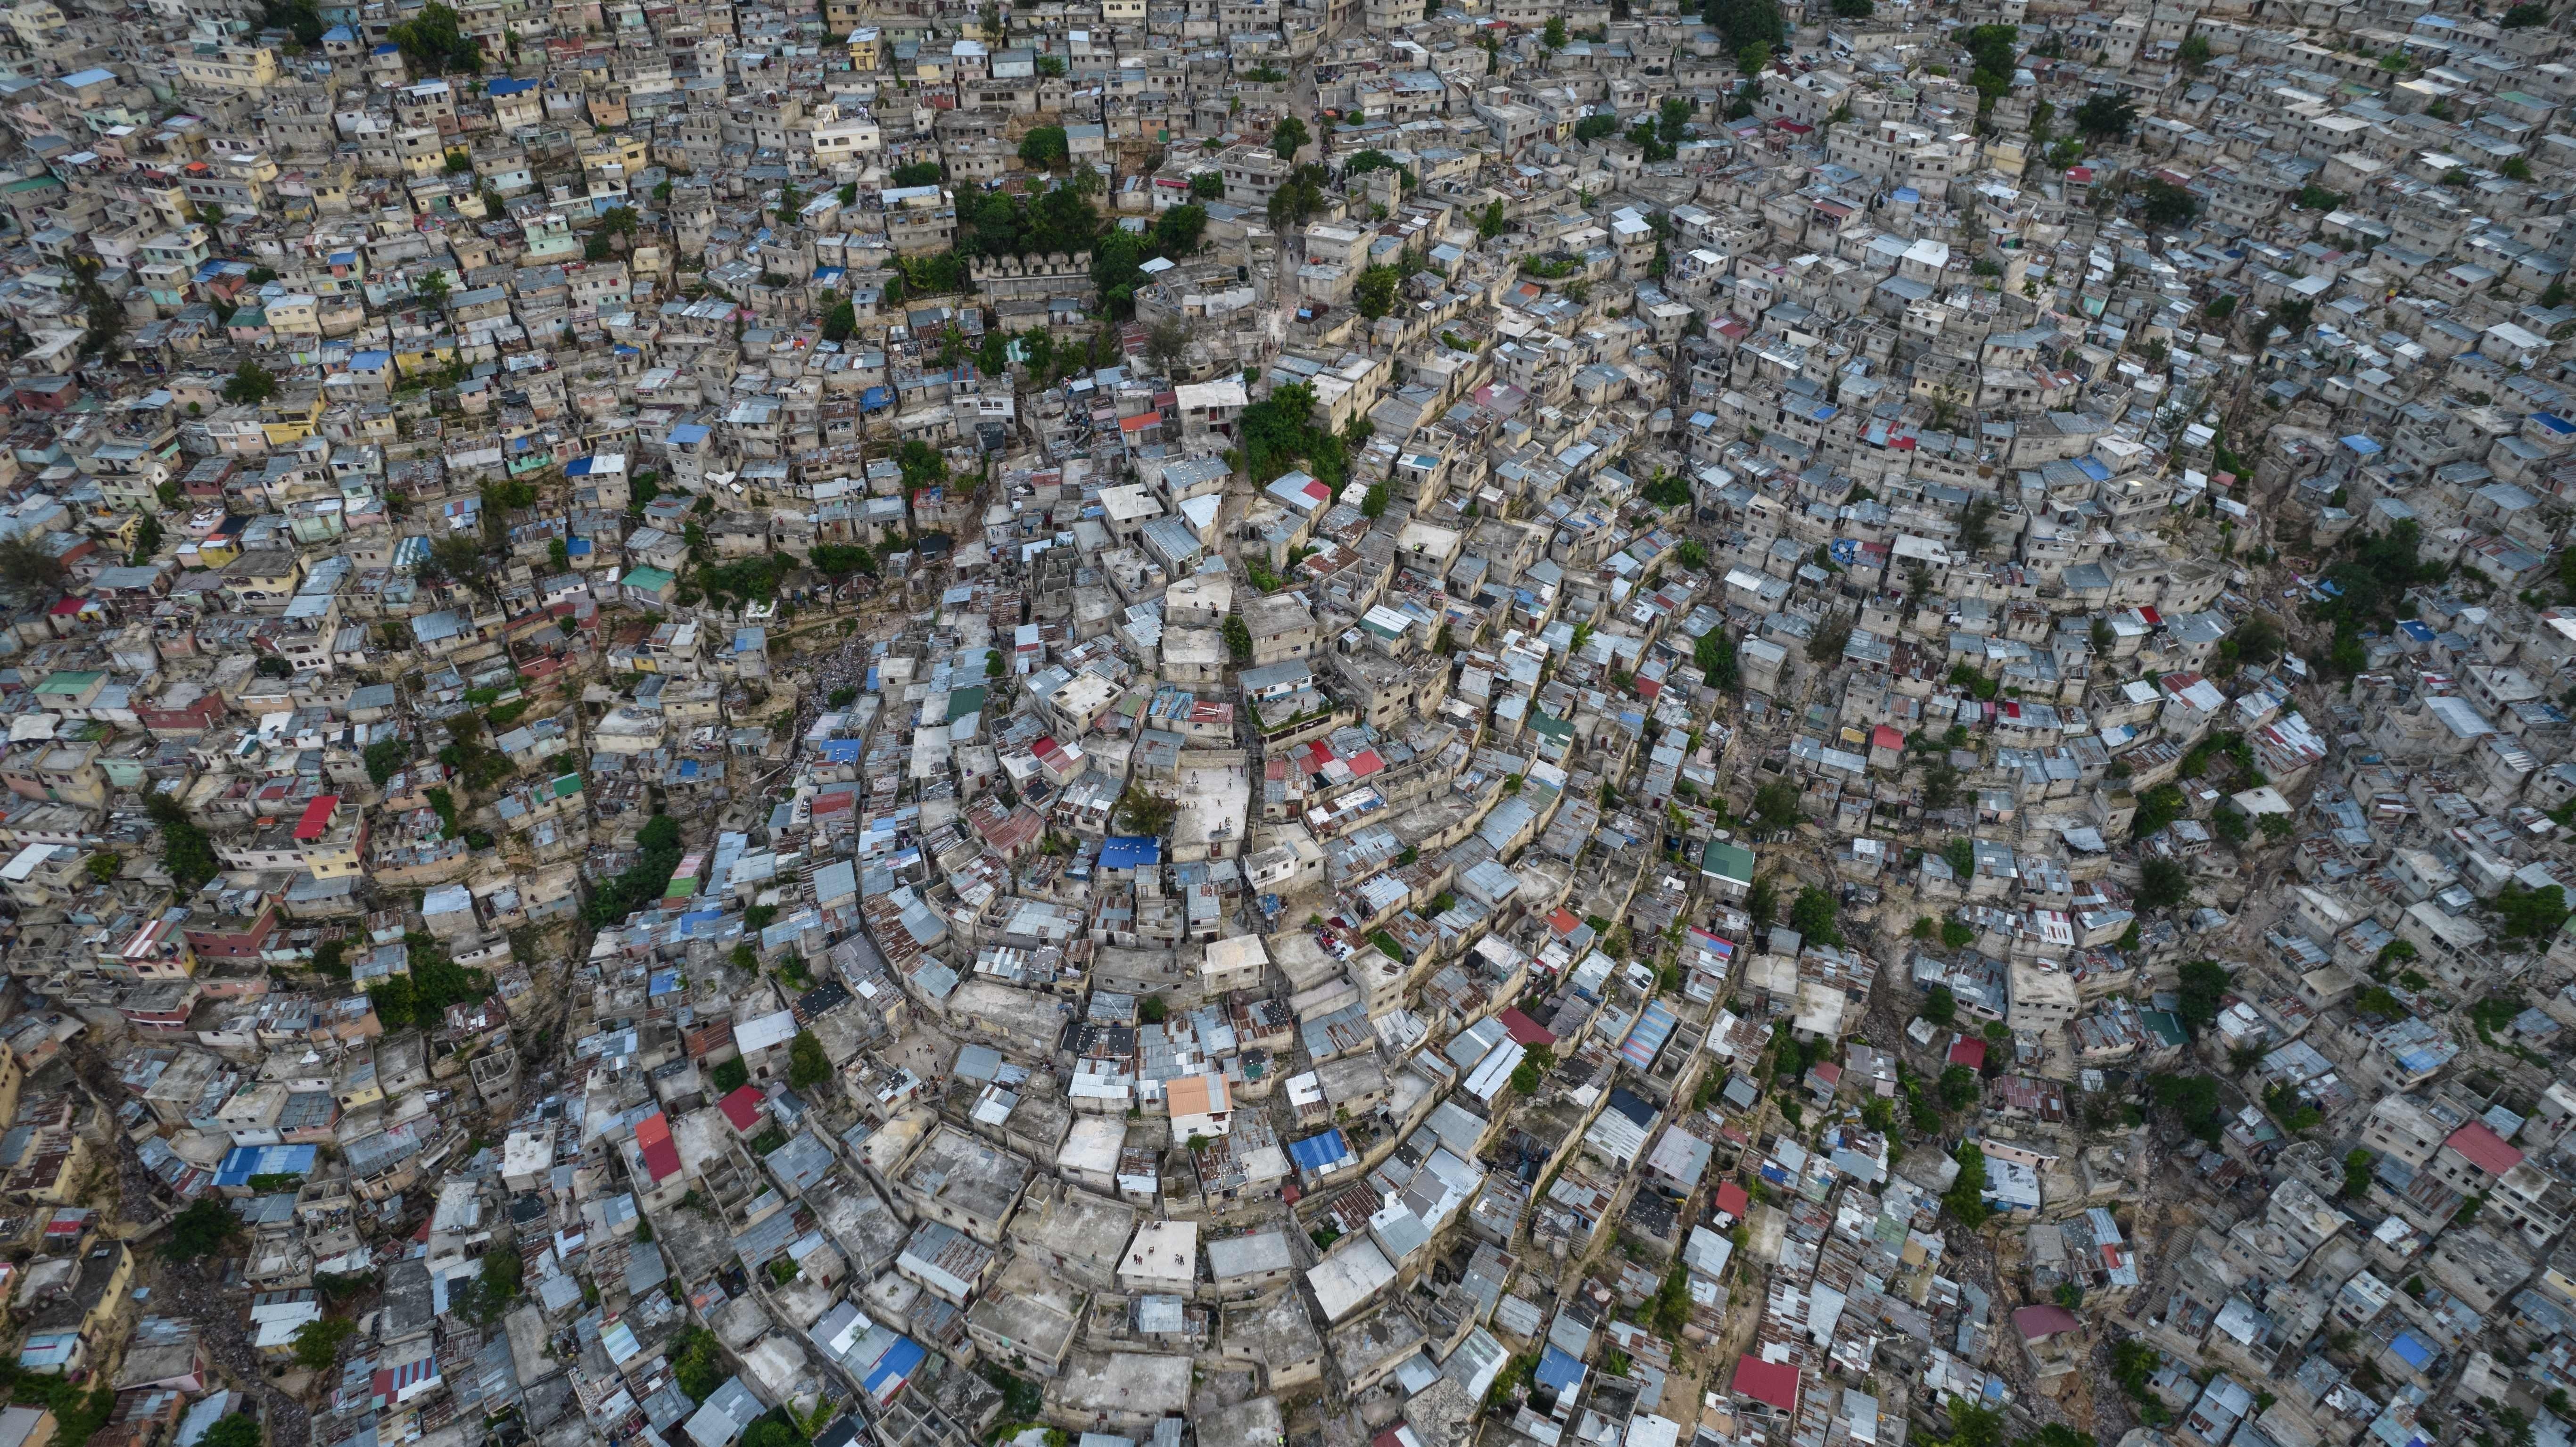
(842, 751)
(1316, 1152)
(1130, 851)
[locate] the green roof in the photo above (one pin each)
(1727, 861)
(964, 701)
(2167, 1027)
(649, 578)
(567, 786)
(1555, 728)
(68, 683)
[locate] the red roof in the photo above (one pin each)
(1525, 1030)
(653, 1138)
(2043, 1320)
(742, 1107)
(1774, 1384)
(317, 817)
(1970, 1052)
(2484, 1149)
(1365, 763)
(1563, 922)
(1732, 1200)
(1885, 737)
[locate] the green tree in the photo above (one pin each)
(1940, 1006)
(250, 383)
(1044, 148)
(1740, 23)
(2204, 990)
(1775, 805)
(2106, 116)
(202, 1230)
(1373, 296)
(2167, 204)
(28, 569)
(2194, 1101)
(384, 757)
(1715, 656)
(233, 1429)
(1553, 34)
(807, 1064)
(318, 1343)
(1762, 903)
(2523, 17)
(1812, 916)
(185, 851)
(697, 1362)
(841, 322)
(2162, 885)
(1965, 1201)
(1288, 138)
(434, 41)
(2530, 914)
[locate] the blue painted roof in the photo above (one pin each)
(841, 751)
(899, 1362)
(687, 433)
(1559, 1370)
(1130, 851)
(2413, 1348)
(507, 86)
(1318, 1151)
(243, 1162)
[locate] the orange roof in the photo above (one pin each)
(1195, 1095)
